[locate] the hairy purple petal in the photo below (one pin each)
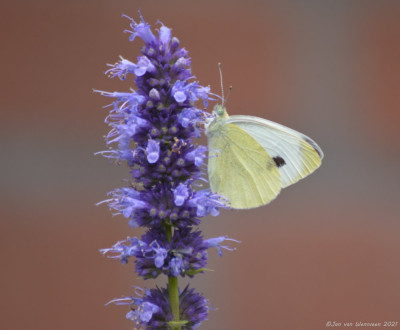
(153, 151)
(181, 193)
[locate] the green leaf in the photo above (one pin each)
(192, 272)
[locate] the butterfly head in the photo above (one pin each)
(220, 112)
(214, 122)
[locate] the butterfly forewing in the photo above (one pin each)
(240, 168)
(295, 154)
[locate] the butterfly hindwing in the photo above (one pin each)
(241, 169)
(295, 154)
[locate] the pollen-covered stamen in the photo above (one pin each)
(178, 145)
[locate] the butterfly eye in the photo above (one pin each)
(220, 112)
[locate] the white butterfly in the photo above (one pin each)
(252, 158)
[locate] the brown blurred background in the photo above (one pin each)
(326, 250)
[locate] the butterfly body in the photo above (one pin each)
(251, 159)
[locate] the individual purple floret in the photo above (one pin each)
(153, 128)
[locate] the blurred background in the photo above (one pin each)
(326, 250)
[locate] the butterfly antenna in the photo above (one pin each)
(227, 97)
(222, 84)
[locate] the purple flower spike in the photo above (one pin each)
(152, 131)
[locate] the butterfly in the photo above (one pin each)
(251, 159)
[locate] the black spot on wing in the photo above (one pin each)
(279, 161)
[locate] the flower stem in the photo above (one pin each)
(174, 299)
(173, 287)
(168, 229)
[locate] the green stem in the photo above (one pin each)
(174, 299)
(173, 287)
(168, 229)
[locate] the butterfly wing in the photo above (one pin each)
(240, 169)
(295, 154)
